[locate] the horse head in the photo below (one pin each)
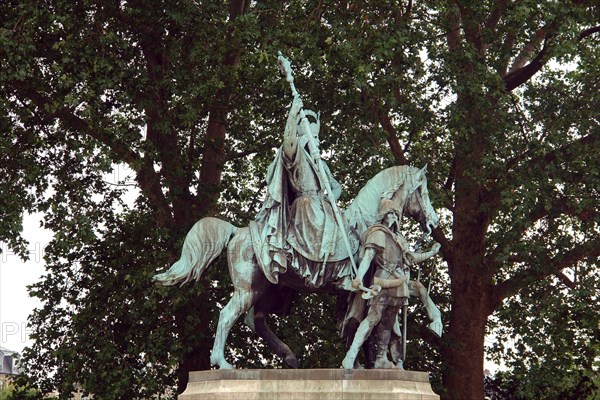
(412, 198)
(406, 186)
(417, 204)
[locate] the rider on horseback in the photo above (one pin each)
(305, 232)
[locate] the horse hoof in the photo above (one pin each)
(383, 363)
(291, 361)
(221, 363)
(348, 363)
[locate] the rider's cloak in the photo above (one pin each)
(296, 224)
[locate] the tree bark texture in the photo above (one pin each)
(464, 344)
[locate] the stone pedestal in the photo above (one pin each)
(308, 384)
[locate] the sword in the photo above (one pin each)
(286, 70)
(404, 312)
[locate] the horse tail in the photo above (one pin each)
(203, 243)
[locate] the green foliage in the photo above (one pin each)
(21, 391)
(549, 341)
(88, 87)
(6, 391)
(577, 385)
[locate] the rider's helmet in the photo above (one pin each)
(386, 206)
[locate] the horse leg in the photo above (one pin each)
(416, 287)
(276, 300)
(276, 344)
(249, 284)
(240, 302)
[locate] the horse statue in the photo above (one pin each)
(406, 186)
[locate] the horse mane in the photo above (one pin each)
(387, 184)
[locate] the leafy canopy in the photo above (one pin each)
(500, 98)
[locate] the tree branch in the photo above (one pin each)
(120, 150)
(520, 120)
(453, 36)
(150, 184)
(213, 157)
(388, 127)
(147, 178)
(566, 280)
(542, 162)
(520, 73)
(502, 290)
(507, 45)
(451, 176)
(558, 206)
(589, 32)
(472, 29)
(159, 127)
(516, 78)
(492, 22)
(408, 9)
(528, 50)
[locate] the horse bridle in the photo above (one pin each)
(419, 201)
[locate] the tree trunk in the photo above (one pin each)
(463, 350)
(213, 158)
(470, 285)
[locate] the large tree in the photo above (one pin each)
(499, 97)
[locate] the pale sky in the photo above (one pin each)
(15, 276)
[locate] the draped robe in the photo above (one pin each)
(296, 223)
